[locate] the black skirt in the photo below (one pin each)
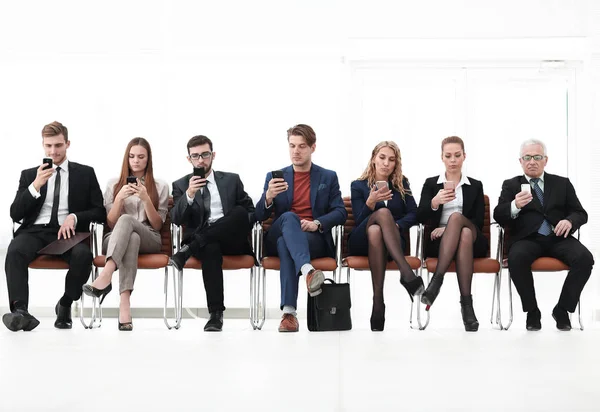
(480, 246)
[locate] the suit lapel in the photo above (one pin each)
(315, 182)
(288, 176)
(547, 189)
(72, 177)
(221, 188)
(468, 198)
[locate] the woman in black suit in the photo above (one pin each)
(384, 210)
(454, 205)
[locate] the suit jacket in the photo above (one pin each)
(325, 199)
(473, 203)
(231, 191)
(560, 202)
(85, 198)
(403, 210)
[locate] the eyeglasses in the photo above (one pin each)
(537, 158)
(204, 155)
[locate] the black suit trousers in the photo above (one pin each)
(570, 251)
(23, 250)
(227, 236)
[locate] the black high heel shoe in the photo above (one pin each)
(432, 291)
(414, 287)
(126, 326)
(468, 314)
(377, 319)
(95, 292)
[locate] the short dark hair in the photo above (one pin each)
(199, 141)
(305, 131)
(55, 129)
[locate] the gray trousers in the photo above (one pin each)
(128, 239)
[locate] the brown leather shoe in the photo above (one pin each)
(289, 323)
(314, 281)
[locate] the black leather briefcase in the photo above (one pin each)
(331, 309)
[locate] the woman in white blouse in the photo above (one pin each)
(454, 205)
(135, 214)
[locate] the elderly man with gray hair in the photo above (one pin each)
(542, 211)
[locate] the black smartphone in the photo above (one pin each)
(199, 171)
(47, 161)
(277, 174)
(132, 179)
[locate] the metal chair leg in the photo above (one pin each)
(177, 298)
(96, 318)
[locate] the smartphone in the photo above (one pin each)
(449, 185)
(277, 174)
(132, 179)
(526, 187)
(381, 184)
(199, 171)
(47, 161)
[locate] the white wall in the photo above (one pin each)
(243, 72)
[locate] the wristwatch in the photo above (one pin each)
(319, 227)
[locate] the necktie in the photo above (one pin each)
(545, 228)
(206, 202)
(56, 201)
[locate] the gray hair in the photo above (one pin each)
(529, 142)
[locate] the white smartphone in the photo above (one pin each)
(381, 184)
(526, 187)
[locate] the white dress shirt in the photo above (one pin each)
(455, 205)
(63, 204)
(216, 207)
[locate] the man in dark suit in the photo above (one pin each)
(307, 204)
(541, 211)
(218, 215)
(61, 199)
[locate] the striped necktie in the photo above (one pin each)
(545, 228)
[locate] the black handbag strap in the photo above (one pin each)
(330, 281)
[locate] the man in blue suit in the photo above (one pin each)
(307, 203)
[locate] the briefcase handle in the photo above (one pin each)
(330, 281)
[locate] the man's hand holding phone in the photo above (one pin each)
(276, 186)
(524, 197)
(195, 184)
(43, 174)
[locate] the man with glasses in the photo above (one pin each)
(217, 215)
(541, 211)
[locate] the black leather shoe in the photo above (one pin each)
(534, 320)
(20, 319)
(468, 314)
(562, 318)
(178, 259)
(215, 322)
(414, 287)
(433, 289)
(63, 317)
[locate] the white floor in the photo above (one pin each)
(153, 369)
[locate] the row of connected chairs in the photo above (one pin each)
(171, 241)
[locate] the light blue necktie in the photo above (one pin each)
(545, 228)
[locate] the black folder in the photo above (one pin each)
(60, 246)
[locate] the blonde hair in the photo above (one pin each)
(396, 175)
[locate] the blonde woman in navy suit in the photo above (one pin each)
(384, 210)
(457, 215)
